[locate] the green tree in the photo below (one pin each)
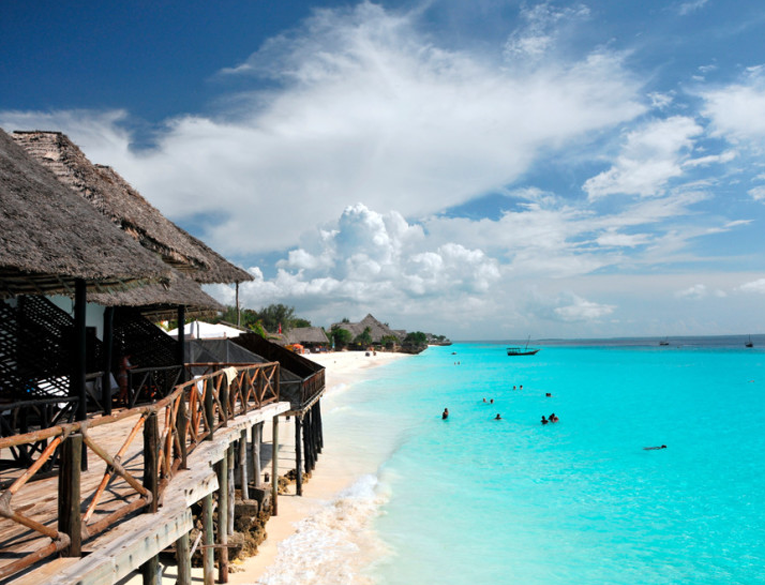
(415, 338)
(389, 341)
(364, 339)
(341, 337)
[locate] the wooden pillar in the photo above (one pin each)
(182, 426)
(151, 459)
(77, 381)
(69, 517)
(275, 467)
(244, 477)
(222, 467)
(208, 550)
(150, 571)
(231, 490)
(106, 380)
(320, 429)
(307, 441)
(257, 439)
(183, 558)
(238, 310)
(209, 409)
(298, 457)
(181, 357)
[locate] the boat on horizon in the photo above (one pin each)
(518, 350)
(749, 343)
(664, 341)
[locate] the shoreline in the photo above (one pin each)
(328, 480)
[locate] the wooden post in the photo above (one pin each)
(243, 471)
(150, 571)
(257, 438)
(320, 429)
(77, 387)
(307, 441)
(69, 516)
(183, 557)
(275, 466)
(151, 459)
(298, 457)
(181, 357)
(222, 467)
(231, 490)
(238, 310)
(106, 380)
(209, 410)
(208, 561)
(182, 426)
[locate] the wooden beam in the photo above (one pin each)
(208, 560)
(243, 467)
(298, 457)
(106, 380)
(275, 467)
(183, 558)
(222, 469)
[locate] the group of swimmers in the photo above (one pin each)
(552, 419)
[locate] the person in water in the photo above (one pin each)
(654, 448)
(445, 414)
(554, 418)
(497, 417)
(544, 420)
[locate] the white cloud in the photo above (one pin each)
(690, 7)
(361, 106)
(757, 193)
(737, 111)
(574, 308)
(755, 286)
(651, 156)
(698, 292)
(541, 30)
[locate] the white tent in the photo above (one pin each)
(202, 330)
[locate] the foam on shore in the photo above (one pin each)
(325, 535)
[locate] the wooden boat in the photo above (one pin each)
(749, 343)
(664, 341)
(517, 350)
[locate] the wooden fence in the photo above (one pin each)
(133, 477)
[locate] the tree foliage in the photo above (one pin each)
(364, 339)
(415, 338)
(341, 337)
(267, 319)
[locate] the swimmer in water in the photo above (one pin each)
(445, 414)
(654, 448)
(497, 417)
(544, 420)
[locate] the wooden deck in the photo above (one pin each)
(117, 552)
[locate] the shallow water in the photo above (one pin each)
(580, 501)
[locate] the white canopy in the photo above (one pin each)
(202, 330)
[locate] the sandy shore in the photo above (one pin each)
(330, 476)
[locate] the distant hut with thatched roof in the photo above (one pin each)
(311, 338)
(379, 332)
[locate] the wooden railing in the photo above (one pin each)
(172, 427)
(311, 387)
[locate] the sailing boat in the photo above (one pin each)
(664, 341)
(749, 343)
(522, 350)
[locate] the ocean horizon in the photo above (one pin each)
(471, 498)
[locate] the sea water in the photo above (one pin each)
(472, 499)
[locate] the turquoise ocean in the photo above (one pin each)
(471, 499)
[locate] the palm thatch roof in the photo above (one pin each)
(161, 301)
(306, 336)
(50, 237)
(108, 192)
(377, 330)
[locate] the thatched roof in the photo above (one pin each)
(161, 301)
(123, 205)
(50, 237)
(378, 330)
(306, 335)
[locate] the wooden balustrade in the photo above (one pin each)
(177, 424)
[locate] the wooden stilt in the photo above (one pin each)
(150, 571)
(243, 467)
(183, 557)
(275, 467)
(208, 561)
(69, 517)
(320, 428)
(222, 466)
(231, 490)
(298, 457)
(257, 438)
(106, 380)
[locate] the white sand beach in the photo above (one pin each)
(331, 475)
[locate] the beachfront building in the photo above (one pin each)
(379, 332)
(313, 339)
(104, 502)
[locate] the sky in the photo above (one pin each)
(492, 169)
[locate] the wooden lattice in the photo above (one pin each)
(145, 343)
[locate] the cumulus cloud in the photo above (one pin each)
(568, 307)
(650, 157)
(541, 30)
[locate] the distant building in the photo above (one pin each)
(311, 338)
(376, 329)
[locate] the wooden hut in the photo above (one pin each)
(63, 520)
(311, 338)
(377, 329)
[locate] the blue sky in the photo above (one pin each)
(484, 169)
